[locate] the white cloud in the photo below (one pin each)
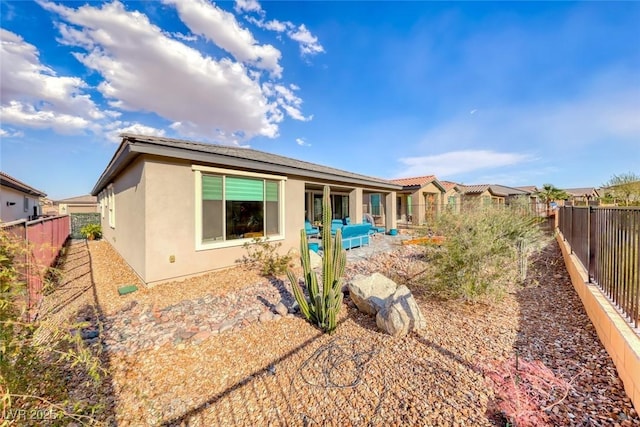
(308, 43)
(457, 162)
(185, 37)
(33, 95)
(213, 99)
(275, 25)
(301, 142)
(247, 6)
(116, 128)
(289, 101)
(10, 133)
(26, 115)
(222, 28)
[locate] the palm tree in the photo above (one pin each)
(549, 193)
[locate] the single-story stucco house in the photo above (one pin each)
(18, 200)
(420, 199)
(79, 204)
(175, 208)
(489, 194)
(582, 196)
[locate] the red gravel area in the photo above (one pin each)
(286, 373)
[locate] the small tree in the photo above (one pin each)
(322, 305)
(549, 193)
(625, 186)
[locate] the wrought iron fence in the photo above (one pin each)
(606, 240)
(41, 241)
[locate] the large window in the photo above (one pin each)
(239, 207)
(339, 206)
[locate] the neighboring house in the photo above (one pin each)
(452, 196)
(18, 200)
(489, 194)
(79, 204)
(582, 196)
(538, 206)
(175, 208)
(420, 200)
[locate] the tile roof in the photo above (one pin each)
(528, 188)
(495, 189)
(448, 185)
(472, 189)
(11, 182)
(133, 144)
(586, 191)
(85, 199)
(418, 181)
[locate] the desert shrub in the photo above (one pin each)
(265, 256)
(484, 252)
(37, 359)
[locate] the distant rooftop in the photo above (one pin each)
(81, 200)
(496, 189)
(418, 181)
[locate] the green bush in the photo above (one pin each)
(484, 252)
(264, 255)
(92, 231)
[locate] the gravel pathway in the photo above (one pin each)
(209, 360)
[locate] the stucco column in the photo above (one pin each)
(422, 207)
(355, 206)
(390, 211)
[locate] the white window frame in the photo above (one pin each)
(103, 203)
(25, 203)
(198, 171)
(112, 206)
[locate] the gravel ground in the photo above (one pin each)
(287, 373)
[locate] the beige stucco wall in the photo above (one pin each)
(65, 208)
(171, 224)
(128, 235)
(16, 211)
(452, 192)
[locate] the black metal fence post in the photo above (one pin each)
(591, 242)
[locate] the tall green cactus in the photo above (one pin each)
(322, 306)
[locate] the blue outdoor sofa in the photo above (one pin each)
(355, 235)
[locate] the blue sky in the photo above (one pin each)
(473, 92)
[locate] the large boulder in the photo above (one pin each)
(315, 260)
(370, 292)
(400, 314)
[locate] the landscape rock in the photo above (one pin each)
(369, 292)
(315, 260)
(281, 309)
(266, 316)
(400, 314)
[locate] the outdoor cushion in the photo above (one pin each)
(309, 229)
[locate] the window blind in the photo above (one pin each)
(211, 187)
(272, 191)
(244, 189)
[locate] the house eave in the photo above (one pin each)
(130, 149)
(25, 190)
